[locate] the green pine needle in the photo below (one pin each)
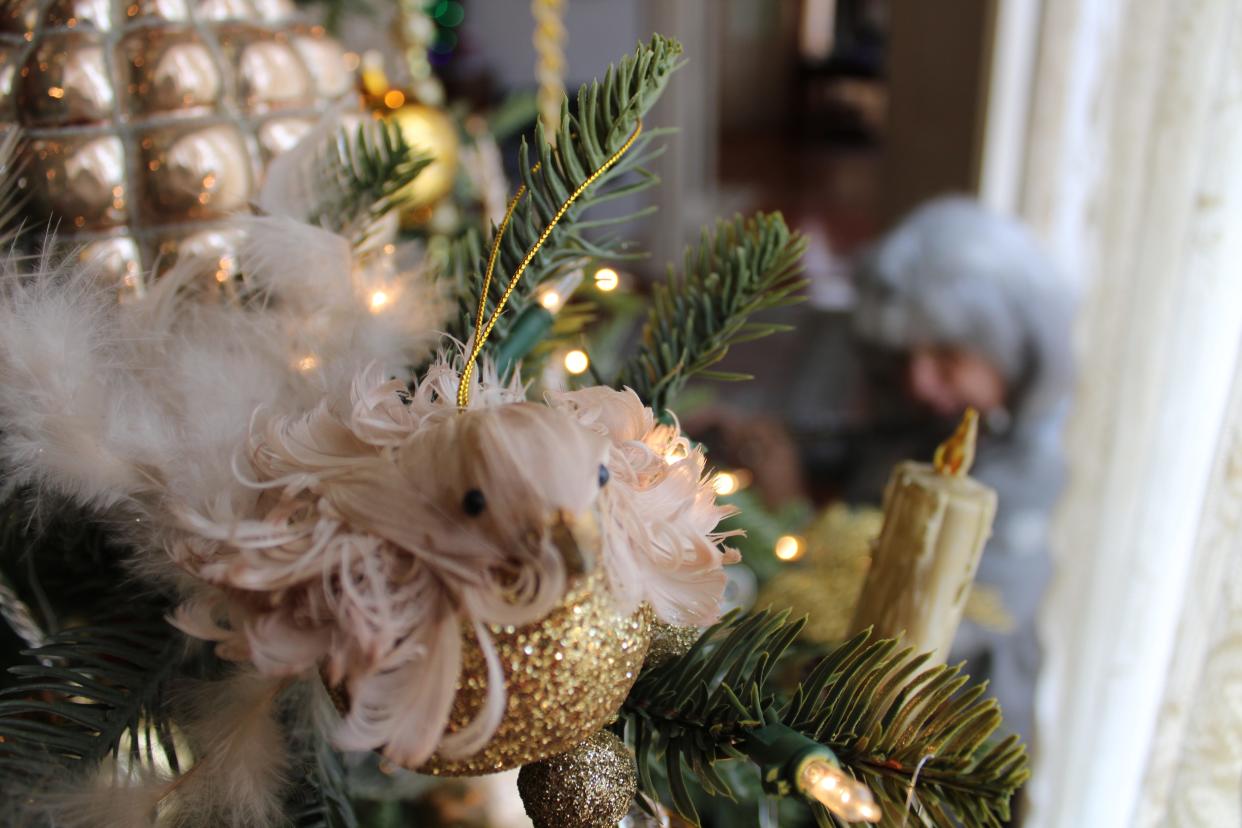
(91, 693)
(362, 176)
(874, 705)
(606, 115)
(745, 266)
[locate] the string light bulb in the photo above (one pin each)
(676, 452)
(607, 279)
(725, 483)
(308, 363)
(555, 292)
(836, 790)
(379, 300)
(551, 300)
(577, 361)
(789, 548)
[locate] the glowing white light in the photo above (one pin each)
(551, 300)
(379, 301)
(678, 451)
(308, 363)
(607, 279)
(840, 793)
(725, 483)
(576, 362)
(789, 547)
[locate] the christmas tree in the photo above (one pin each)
(261, 549)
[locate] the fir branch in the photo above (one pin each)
(363, 175)
(321, 800)
(605, 116)
(57, 561)
(873, 705)
(95, 692)
(743, 267)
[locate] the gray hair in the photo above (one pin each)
(955, 273)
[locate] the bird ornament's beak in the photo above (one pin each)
(577, 538)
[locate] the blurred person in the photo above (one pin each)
(978, 315)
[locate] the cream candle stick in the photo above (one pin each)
(936, 522)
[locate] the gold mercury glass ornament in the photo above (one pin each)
(149, 121)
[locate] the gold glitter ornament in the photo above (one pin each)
(566, 677)
(149, 121)
(590, 786)
(669, 641)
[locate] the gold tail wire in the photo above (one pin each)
(481, 329)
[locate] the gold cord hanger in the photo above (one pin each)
(483, 330)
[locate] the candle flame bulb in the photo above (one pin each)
(956, 455)
(845, 797)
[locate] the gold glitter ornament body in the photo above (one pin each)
(590, 786)
(150, 121)
(566, 677)
(669, 641)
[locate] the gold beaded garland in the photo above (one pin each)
(150, 121)
(566, 677)
(590, 786)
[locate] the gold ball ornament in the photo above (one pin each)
(148, 122)
(566, 677)
(590, 786)
(433, 132)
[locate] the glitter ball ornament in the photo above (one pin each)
(567, 676)
(148, 121)
(590, 786)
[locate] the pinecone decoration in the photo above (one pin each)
(149, 121)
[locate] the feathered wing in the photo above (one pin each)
(241, 762)
(659, 511)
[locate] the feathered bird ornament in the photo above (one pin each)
(322, 516)
(387, 521)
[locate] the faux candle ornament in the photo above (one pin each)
(936, 522)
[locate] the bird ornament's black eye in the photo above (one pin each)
(603, 475)
(474, 503)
